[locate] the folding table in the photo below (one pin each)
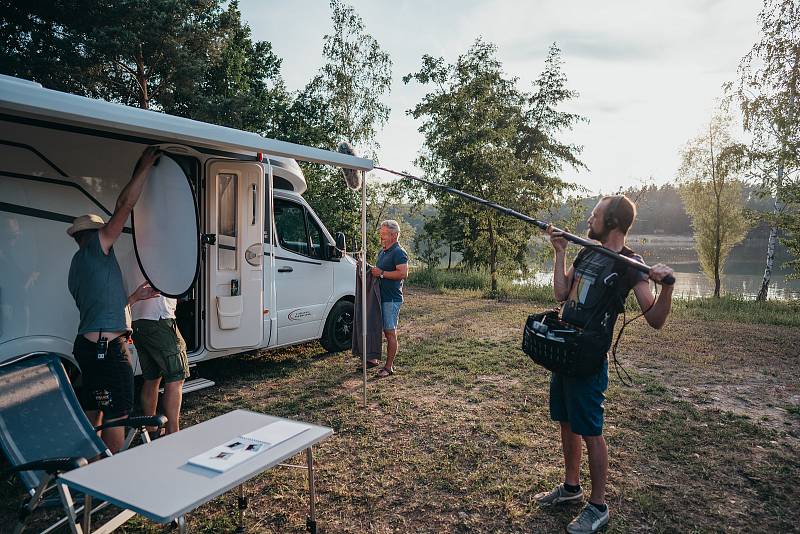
(157, 482)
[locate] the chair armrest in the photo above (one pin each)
(136, 422)
(51, 466)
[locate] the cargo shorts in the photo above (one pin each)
(161, 350)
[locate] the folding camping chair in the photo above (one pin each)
(44, 432)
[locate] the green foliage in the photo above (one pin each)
(473, 279)
(790, 222)
(428, 244)
(486, 137)
(189, 58)
(712, 195)
(343, 102)
(241, 86)
(355, 77)
(768, 95)
(480, 280)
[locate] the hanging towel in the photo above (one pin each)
(374, 318)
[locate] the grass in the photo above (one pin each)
(731, 308)
(459, 439)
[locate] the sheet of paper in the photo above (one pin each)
(276, 432)
(228, 455)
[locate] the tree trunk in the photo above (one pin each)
(141, 78)
(449, 255)
(492, 255)
(717, 185)
(773, 230)
(773, 237)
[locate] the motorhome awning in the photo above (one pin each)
(28, 99)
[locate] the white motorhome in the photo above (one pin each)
(222, 225)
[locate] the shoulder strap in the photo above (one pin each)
(623, 286)
(580, 257)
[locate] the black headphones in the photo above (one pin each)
(610, 220)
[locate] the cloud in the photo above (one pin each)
(587, 45)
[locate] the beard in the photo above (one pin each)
(597, 236)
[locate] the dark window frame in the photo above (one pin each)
(306, 217)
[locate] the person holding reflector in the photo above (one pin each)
(95, 282)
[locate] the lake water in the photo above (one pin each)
(742, 274)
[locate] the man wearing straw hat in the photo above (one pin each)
(95, 282)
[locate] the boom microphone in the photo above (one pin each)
(351, 176)
(641, 267)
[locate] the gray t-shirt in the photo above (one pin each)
(95, 282)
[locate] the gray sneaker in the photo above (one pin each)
(559, 495)
(589, 520)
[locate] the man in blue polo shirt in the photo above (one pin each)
(392, 269)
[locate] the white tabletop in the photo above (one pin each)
(156, 482)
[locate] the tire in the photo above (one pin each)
(338, 332)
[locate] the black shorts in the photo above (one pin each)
(107, 384)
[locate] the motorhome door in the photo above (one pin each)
(234, 200)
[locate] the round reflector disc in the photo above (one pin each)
(166, 229)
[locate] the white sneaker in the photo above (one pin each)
(588, 521)
(559, 495)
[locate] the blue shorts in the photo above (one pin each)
(391, 313)
(579, 401)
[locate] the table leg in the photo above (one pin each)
(181, 524)
(311, 522)
(87, 513)
(241, 502)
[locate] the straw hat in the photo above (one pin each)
(86, 222)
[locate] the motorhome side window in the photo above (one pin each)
(297, 231)
(227, 223)
(315, 236)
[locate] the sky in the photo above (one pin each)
(649, 73)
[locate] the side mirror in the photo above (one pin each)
(341, 244)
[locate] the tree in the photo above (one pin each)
(354, 79)
(767, 92)
(486, 137)
(185, 57)
(790, 222)
(356, 76)
(712, 195)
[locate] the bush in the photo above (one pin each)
(453, 279)
(480, 280)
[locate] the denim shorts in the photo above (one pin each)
(391, 313)
(580, 401)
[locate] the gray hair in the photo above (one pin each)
(392, 225)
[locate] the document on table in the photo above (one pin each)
(246, 446)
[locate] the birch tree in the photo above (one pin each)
(767, 91)
(351, 86)
(712, 195)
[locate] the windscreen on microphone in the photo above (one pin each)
(352, 177)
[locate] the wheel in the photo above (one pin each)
(338, 332)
